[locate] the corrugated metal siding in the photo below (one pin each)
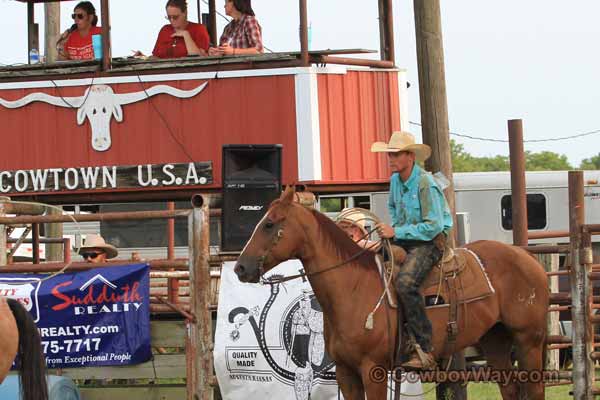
(251, 110)
(356, 109)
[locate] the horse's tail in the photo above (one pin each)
(32, 366)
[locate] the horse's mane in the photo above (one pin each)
(339, 241)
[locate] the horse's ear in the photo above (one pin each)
(288, 195)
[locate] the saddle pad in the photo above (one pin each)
(472, 282)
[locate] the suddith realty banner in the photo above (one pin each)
(98, 317)
(106, 177)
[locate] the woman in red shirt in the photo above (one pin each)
(76, 42)
(181, 37)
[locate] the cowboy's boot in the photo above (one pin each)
(420, 360)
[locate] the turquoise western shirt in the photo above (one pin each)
(418, 207)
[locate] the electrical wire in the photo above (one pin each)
(87, 94)
(164, 120)
(577, 136)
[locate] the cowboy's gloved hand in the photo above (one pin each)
(385, 231)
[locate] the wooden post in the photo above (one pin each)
(582, 364)
(3, 246)
(586, 258)
(304, 33)
(436, 134)
(33, 40)
(35, 243)
(200, 330)
(54, 252)
(551, 264)
(432, 91)
(212, 17)
(172, 283)
(517, 182)
(386, 31)
(106, 49)
(52, 30)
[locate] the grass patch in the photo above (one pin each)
(490, 391)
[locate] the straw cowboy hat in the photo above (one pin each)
(355, 218)
(98, 242)
(402, 141)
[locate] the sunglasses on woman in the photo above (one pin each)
(90, 255)
(78, 16)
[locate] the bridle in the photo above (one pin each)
(261, 260)
(274, 280)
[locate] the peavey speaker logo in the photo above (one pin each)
(250, 208)
(97, 296)
(25, 293)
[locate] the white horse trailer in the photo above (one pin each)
(484, 199)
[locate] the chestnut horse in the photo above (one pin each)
(20, 337)
(347, 285)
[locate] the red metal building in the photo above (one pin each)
(63, 122)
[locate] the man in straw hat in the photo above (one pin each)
(420, 223)
(353, 223)
(95, 250)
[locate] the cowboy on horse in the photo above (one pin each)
(421, 221)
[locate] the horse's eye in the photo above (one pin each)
(269, 225)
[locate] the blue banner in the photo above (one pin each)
(92, 318)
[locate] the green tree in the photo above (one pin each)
(462, 161)
(546, 161)
(591, 163)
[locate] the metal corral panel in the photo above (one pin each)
(357, 109)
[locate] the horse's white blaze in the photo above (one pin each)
(253, 232)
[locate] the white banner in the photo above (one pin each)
(269, 341)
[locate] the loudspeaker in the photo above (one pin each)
(251, 181)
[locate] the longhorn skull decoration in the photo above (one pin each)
(99, 104)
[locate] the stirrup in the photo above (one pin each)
(426, 359)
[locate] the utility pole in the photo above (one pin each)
(52, 24)
(436, 133)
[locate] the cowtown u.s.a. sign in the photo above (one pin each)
(106, 177)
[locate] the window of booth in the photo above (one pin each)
(536, 211)
(333, 205)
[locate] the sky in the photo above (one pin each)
(534, 60)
